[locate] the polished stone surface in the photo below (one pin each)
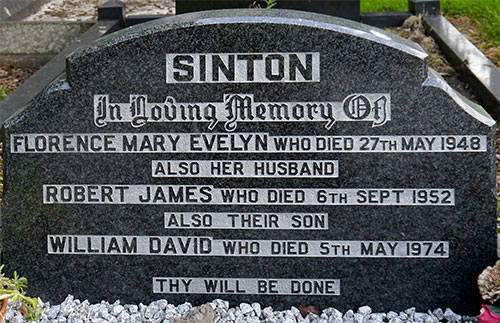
(424, 7)
(405, 216)
(385, 19)
(482, 74)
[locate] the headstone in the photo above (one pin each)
(252, 155)
(349, 9)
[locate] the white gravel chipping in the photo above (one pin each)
(218, 311)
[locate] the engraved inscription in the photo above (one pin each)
(246, 221)
(243, 67)
(208, 246)
(263, 286)
(249, 142)
(244, 168)
(236, 108)
(208, 194)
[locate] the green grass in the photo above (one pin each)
(384, 5)
(3, 93)
(485, 12)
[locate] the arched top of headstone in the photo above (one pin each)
(249, 28)
(257, 16)
(356, 56)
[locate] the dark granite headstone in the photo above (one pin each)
(252, 155)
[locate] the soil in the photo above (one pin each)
(11, 77)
